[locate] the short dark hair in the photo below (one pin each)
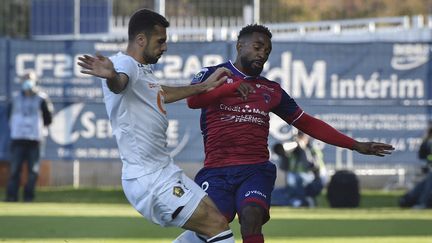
(144, 20)
(249, 29)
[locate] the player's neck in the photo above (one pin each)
(135, 53)
(237, 64)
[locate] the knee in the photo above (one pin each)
(220, 221)
(251, 219)
(215, 225)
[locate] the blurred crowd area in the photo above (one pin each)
(15, 15)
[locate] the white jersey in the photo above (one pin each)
(138, 119)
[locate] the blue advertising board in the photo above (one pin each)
(371, 91)
(55, 65)
(57, 17)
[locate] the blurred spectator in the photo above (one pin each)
(304, 171)
(421, 195)
(29, 112)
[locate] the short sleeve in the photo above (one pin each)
(125, 64)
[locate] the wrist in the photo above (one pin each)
(355, 146)
(201, 87)
(113, 75)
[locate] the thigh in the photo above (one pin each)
(33, 157)
(17, 157)
(257, 187)
(167, 197)
(219, 190)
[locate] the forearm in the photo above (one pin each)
(173, 94)
(205, 99)
(117, 82)
(323, 131)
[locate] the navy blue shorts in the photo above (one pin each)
(233, 187)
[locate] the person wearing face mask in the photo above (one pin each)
(29, 112)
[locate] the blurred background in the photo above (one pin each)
(361, 66)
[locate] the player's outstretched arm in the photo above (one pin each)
(102, 67)
(322, 131)
(373, 148)
(173, 94)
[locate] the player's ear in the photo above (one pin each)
(239, 45)
(141, 39)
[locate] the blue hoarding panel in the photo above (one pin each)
(52, 17)
(55, 64)
(57, 17)
(81, 131)
(94, 16)
(371, 91)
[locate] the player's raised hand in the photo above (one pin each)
(373, 148)
(99, 66)
(217, 78)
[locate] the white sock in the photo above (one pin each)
(223, 237)
(189, 237)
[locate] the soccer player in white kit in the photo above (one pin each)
(156, 187)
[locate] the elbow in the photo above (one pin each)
(115, 90)
(192, 104)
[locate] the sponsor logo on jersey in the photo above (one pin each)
(267, 98)
(263, 86)
(255, 192)
(199, 76)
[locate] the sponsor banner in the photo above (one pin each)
(82, 131)
(371, 91)
(184, 60)
(55, 64)
(351, 73)
(403, 127)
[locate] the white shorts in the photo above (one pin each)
(159, 195)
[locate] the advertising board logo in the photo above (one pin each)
(409, 56)
(62, 128)
(71, 124)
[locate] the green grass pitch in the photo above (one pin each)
(91, 215)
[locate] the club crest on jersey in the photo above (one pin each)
(199, 76)
(267, 98)
(178, 191)
(229, 81)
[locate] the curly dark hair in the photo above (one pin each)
(144, 20)
(249, 29)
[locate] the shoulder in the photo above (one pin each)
(205, 72)
(122, 59)
(272, 86)
(269, 82)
